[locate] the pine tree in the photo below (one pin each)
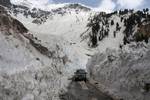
(112, 22)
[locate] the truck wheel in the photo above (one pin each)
(75, 79)
(85, 80)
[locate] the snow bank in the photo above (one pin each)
(25, 72)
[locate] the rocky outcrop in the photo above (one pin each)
(143, 33)
(5, 3)
(8, 23)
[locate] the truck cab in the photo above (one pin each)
(80, 75)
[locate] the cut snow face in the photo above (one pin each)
(124, 73)
(28, 69)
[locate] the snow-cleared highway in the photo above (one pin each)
(83, 91)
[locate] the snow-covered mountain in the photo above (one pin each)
(30, 3)
(44, 5)
(52, 42)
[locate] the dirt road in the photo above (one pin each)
(83, 91)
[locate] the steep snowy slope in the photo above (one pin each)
(102, 35)
(64, 26)
(116, 29)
